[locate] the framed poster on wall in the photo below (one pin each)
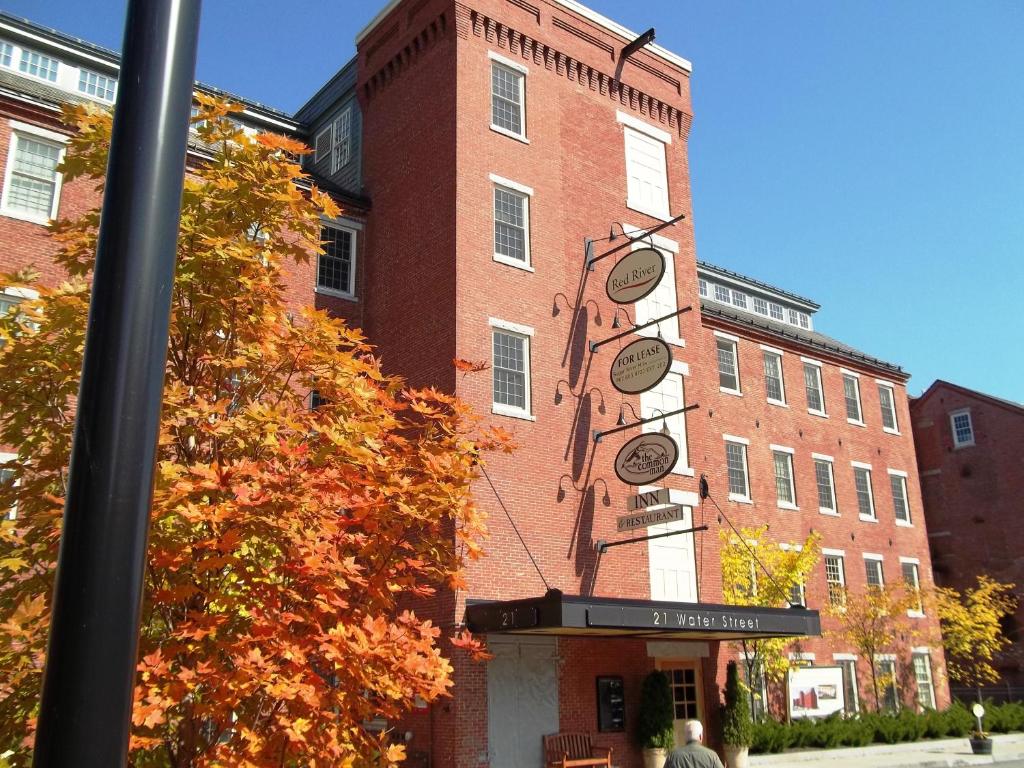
(815, 691)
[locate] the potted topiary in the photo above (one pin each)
(737, 728)
(654, 722)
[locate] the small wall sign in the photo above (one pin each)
(641, 366)
(611, 704)
(648, 517)
(635, 275)
(646, 458)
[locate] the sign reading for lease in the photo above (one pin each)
(646, 458)
(641, 366)
(635, 275)
(649, 517)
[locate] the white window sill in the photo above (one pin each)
(903, 523)
(890, 431)
(660, 215)
(915, 614)
(733, 392)
(510, 134)
(514, 413)
(687, 471)
(868, 518)
(855, 422)
(787, 505)
(510, 262)
(962, 445)
(33, 218)
(740, 499)
(335, 294)
(813, 412)
(829, 512)
(779, 403)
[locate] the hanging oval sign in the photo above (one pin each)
(641, 366)
(646, 458)
(635, 275)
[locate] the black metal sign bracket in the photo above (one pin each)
(603, 546)
(591, 259)
(596, 345)
(599, 435)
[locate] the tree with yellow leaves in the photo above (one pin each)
(757, 571)
(971, 631)
(282, 536)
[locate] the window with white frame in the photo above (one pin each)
(825, 479)
(865, 497)
(321, 144)
(922, 662)
(785, 491)
(812, 386)
(805, 320)
(775, 388)
(797, 593)
(511, 363)
(885, 672)
(702, 286)
(794, 317)
(851, 701)
(887, 402)
(336, 266)
(835, 578)
(851, 391)
(666, 397)
(760, 306)
(38, 65)
(32, 183)
(963, 428)
(341, 143)
(754, 679)
(739, 299)
(912, 581)
(508, 99)
(900, 505)
(646, 174)
(736, 465)
(728, 365)
(6, 53)
(873, 571)
(722, 294)
(776, 311)
(95, 84)
(662, 300)
(7, 476)
(511, 225)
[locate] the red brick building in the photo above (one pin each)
(482, 151)
(970, 449)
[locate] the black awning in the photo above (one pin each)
(558, 614)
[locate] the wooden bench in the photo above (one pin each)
(572, 750)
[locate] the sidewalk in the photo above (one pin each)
(943, 752)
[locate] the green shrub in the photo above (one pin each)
(959, 721)
(654, 724)
(769, 737)
(936, 725)
(912, 725)
(736, 724)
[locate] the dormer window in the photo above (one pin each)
(760, 306)
(722, 294)
(776, 311)
(95, 84)
(6, 53)
(739, 299)
(38, 65)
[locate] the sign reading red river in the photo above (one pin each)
(635, 275)
(641, 366)
(646, 458)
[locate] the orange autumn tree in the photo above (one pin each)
(286, 543)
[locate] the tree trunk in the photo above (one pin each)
(874, 685)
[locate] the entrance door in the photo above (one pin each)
(684, 677)
(672, 562)
(522, 700)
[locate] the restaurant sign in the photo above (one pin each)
(646, 458)
(635, 275)
(654, 498)
(648, 517)
(641, 366)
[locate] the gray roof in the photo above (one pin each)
(703, 265)
(811, 339)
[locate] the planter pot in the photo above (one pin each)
(655, 758)
(981, 746)
(736, 757)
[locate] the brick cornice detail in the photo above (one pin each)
(431, 33)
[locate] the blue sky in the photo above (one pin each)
(868, 155)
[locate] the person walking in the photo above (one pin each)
(694, 754)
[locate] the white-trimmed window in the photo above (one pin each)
(900, 503)
(341, 142)
(668, 396)
(102, 87)
(728, 364)
(38, 65)
(760, 306)
(963, 428)
(922, 662)
(910, 568)
(873, 571)
(702, 287)
(736, 466)
(885, 672)
(835, 578)
(646, 169)
(6, 475)
(865, 497)
(32, 183)
(757, 686)
(785, 490)
(812, 386)
(508, 98)
(824, 478)
(511, 223)
(336, 266)
(662, 300)
(775, 387)
(805, 320)
(851, 699)
(851, 392)
(722, 294)
(887, 403)
(6, 53)
(511, 364)
(776, 311)
(739, 299)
